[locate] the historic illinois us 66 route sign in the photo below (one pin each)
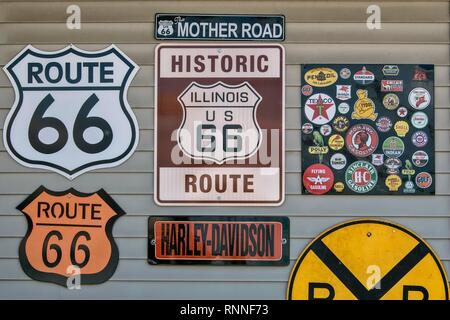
(219, 124)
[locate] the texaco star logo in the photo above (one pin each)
(320, 108)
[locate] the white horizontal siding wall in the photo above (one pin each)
(317, 32)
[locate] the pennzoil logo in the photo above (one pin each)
(321, 77)
(69, 229)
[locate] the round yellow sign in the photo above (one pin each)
(368, 260)
(336, 142)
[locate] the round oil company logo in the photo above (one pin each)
(338, 161)
(307, 128)
(344, 107)
(361, 176)
(364, 76)
(424, 180)
(318, 179)
(420, 158)
(334, 266)
(361, 140)
(307, 90)
(392, 165)
(321, 77)
(393, 182)
(339, 187)
(325, 130)
(401, 128)
(320, 108)
(336, 142)
(345, 73)
(419, 120)
(391, 101)
(402, 112)
(384, 124)
(393, 147)
(419, 139)
(419, 98)
(340, 123)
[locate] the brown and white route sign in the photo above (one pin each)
(219, 124)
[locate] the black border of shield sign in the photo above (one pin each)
(282, 16)
(87, 279)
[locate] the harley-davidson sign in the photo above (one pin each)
(219, 124)
(218, 240)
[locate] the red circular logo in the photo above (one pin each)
(424, 180)
(307, 90)
(318, 179)
(361, 140)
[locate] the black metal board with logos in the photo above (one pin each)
(367, 129)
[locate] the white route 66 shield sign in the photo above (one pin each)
(71, 114)
(219, 121)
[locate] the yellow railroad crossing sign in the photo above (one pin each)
(368, 260)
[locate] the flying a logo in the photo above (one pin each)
(71, 114)
(219, 122)
(318, 179)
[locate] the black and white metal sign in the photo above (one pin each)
(71, 114)
(219, 27)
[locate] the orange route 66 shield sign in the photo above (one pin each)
(69, 229)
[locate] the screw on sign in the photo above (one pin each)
(69, 228)
(339, 264)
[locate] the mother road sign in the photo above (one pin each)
(368, 260)
(71, 114)
(219, 124)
